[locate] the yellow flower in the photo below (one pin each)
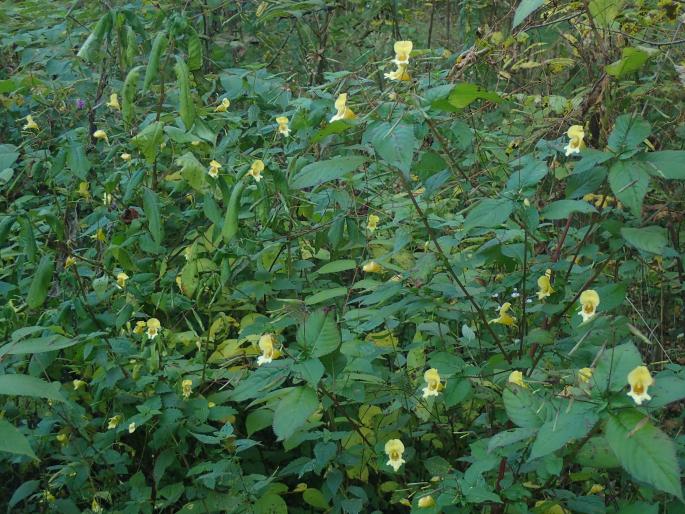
(62, 438)
(256, 170)
(99, 235)
(107, 199)
(596, 489)
(394, 449)
(433, 384)
(214, 168)
(114, 102)
(396, 278)
(589, 300)
(266, 346)
(584, 375)
(552, 509)
(140, 327)
(223, 106)
(372, 267)
(343, 112)
(372, 223)
(575, 134)
(121, 280)
(283, 126)
(83, 189)
(640, 379)
(79, 384)
(504, 318)
(100, 134)
(187, 387)
(602, 201)
(114, 421)
(95, 507)
(426, 502)
(516, 377)
(30, 124)
(402, 51)
(179, 282)
(132, 427)
(153, 327)
(405, 502)
(545, 285)
(70, 261)
(125, 156)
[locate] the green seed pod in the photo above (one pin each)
(230, 228)
(194, 51)
(40, 285)
(128, 94)
(131, 46)
(91, 47)
(185, 100)
(158, 48)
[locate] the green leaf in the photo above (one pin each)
(337, 127)
(22, 492)
(628, 133)
(629, 181)
(311, 370)
(573, 421)
(40, 285)
(325, 295)
(192, 170)
(529, 175)
(509, 437)
(337, 266)
(604, 12)
(270, 504)
(523, 408)
(651, 239)
(668, 387)
(613, 367)
(8, 156)
(562, 208)
(464, 94)
(489, 213)
(154, 218)
(315, 498)
(90, 50)
(596, 453)
(258, 420)
(668, 164)
(319, 334)
(644, 451)
(293, 410)
(13, 441)
(26, 385)
(525, 9)
(186, 107)
(320, 172)
(158, 46)
(632, 59)
(149, 139)
(394, 142)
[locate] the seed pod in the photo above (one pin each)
(128, 94)
(194, 51)
(230, 228)
(158, 47)
(38, 291)
(91, 47)
(185, 100)
(131, 46)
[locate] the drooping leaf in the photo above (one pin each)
(651, 239)
(320, 172)
(629, 182)
(560, 209)
(395, 143)
(632, 59)
(26, 385)
(669, 164)
(525, 9)
(628, 133)
(524, 408)
(40, 284)
(319, 334)
(149, 139)
(293, 410)
(489, 213)
(464, 94)
(573, 421)
(153, 214)
(613, 367)
(192, 170)
(13, 441)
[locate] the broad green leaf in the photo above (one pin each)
(628, 133)
(509, 437)
(186, 107)
(337, 127)
(669, 386)
(311, 370)
(258, 420)
(529, 175)
(77, 161)
(13, 441)
(8, 156)
(395, 143)
(90, 50)
(319, 334)
(293, 410)
(152, 212)
(613, 367)
(270, 504)
(315, 498)
(337, 266)
(629, 182)
(573, 421)
(489, 213)
(523, 407)
(326, 294)
(525, 9)
(464, 94)
(22, 492)
(26, 385)
(40, 284)
(562, 208)
(644, 451)
(651, 239)
(668, 164)
(596, 453)
(604, 12)
(320, 172)
(632, 59)
(192, 170)
(149, 139)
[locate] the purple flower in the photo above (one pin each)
(80, 104)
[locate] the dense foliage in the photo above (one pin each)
(346, 257)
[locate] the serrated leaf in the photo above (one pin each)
(464, 94)
(394, 143)
(489, 213)
(293, 410)
(523, 408)
(325, 295)
(149, 139)
(26, 385)
(632, 59)
(562, 208)
(319, 334)
(651, 239)
(320, 172)
(669, 164)
(509, 437)
(644, 451)
(571, 422)
(629, 182)
(628, 133)
(192, 170)
(613, 367)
